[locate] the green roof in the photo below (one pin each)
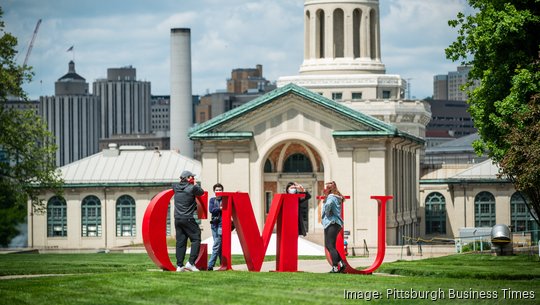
(378, 127)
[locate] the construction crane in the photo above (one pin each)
(31, 45)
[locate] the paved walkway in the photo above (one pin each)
(322, 266)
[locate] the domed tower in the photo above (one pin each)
(342, 61)
(342, 37)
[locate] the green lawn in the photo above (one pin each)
(126, 279)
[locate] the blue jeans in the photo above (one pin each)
(216, 249)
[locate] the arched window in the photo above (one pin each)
(297, 163)
(339, 34)
(522, 220)
(307, 33)
(125, 216)
(484, 210)
(435, 214)
(91, 216)
(56, 217)
(268, 166)
(320, 33)
(373, 34)
(357, 17)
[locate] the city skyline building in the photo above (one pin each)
(449, 86)
(72, 115)
(125, 102)
(160, 107)
(244, 85)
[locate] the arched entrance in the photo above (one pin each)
(294, 161)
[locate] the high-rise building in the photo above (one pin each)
(247, 80)
(450, 120)
(73, 117)
(342, 62)
(160, 107)
(449, 86)
(18, 104)
(244, 85)
(125, 102)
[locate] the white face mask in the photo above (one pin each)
(292, 191)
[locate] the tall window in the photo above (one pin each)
(522, 220)
(125, 216)
(484, 210)
(373, 34)
(56, 217)
(297, 163)
(435, 214)
(357, 17)
(320, 34)
(91, 216)
(339, 44)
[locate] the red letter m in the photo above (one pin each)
(284, 211)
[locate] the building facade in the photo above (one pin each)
(449, 86)
(293, 134)
(104, 199)
(463, 196)
(245, 80)
(125, 102)
(73, 117)
(450, 120)
(160, 108)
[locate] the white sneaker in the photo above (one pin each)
(180, 269)
(190, 267)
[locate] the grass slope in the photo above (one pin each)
(125, 279)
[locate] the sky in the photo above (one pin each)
(225, 35)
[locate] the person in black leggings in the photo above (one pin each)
(332, 223)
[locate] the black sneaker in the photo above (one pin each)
(210, 269)
(335, 269)
(342, 267)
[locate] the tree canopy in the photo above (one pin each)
(501, 41)
(26, 152)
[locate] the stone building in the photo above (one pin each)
(105, 197)
(294, 134)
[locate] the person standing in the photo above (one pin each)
(215, 208)
(185, 206)
(332, 223)
(303, 206)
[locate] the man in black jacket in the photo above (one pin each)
(185, 206)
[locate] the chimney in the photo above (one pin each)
(181, 103)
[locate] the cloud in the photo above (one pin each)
(225, 35)
(414, 34)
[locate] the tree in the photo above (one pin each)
(501, 41)
(26, 155)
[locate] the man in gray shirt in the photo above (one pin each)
(185, 207)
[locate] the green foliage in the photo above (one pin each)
(26, 155)
(12, 76)
(476, 246)
(501, 42)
